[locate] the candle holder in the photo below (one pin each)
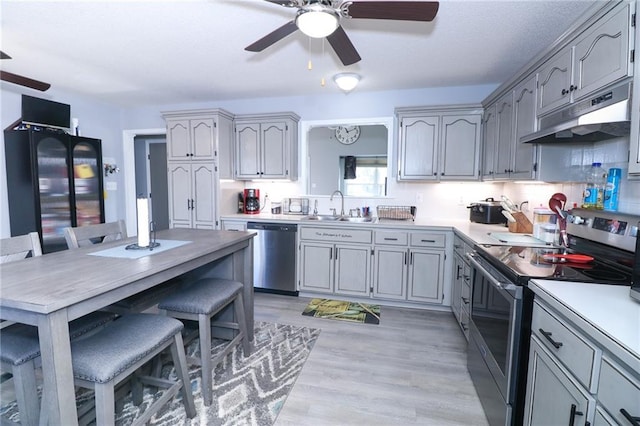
(152, 240)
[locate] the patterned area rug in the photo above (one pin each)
(344, 311)
(251, 390)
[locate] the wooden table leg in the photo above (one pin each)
(59, 402)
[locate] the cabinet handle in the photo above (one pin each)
(572, 88)
(188, 204)
(574, 412)
(331, 253)
(547, 335)
(336, 253)
(390, 239)
(465, 300)
(411, 259)
(428, 241)
(635, 421)
(405, 257)
(565, 92)
(463, 325)
(458, 272)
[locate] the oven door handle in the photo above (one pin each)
(500, 286)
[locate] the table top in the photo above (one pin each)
(58, 280)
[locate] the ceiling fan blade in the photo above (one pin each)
(272, 37)
(285, 3)
(343, 46)
(24, 81)
(4, 55)
(396, 10)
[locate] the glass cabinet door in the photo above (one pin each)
(53, 179)
(86, 184)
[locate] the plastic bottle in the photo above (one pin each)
(612, 188)
(594, 192)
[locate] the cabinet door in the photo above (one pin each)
(419, 148)
(225, 147)
(353, 269)
(553, 398)
(602, 55)
(248, 151)
(203, 139)
(504, 113)
(274, 150)
(203, 204)
(460, 147)
(456, 289)
(316, 261)
(390, 273)
(426, 275)
(178, 140)
(554, 81)
(179, 181)
(490, 143)
(524, 116)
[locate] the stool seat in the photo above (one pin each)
(101, 357)
(201, 302)
(116, 353)
(205, 296)
(19, 342)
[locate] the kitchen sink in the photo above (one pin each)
(356, 219)
(325, 217)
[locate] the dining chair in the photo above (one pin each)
(117, 352)
(19, 343)
(201, 302)
(84, 236)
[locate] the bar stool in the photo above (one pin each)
(201, 302)
(110, 356)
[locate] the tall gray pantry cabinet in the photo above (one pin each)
(54, 180)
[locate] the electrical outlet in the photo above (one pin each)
(461, 201)
(419, 197)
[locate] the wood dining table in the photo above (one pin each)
(51, 290)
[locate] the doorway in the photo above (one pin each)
(151, 176)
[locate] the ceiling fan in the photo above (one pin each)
(321, 18)
(21, 80)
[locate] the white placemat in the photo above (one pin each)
(122, 252)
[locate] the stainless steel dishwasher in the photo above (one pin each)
(274, 257)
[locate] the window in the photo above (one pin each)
(370, 177)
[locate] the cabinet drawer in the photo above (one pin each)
(391, 238)
(618, 389)
(343, 235)
(570, 347)
(424, 239)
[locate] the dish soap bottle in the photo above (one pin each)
(594, 192)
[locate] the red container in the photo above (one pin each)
(252, 201)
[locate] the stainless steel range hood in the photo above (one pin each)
(602, 117)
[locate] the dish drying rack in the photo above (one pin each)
(396, 212)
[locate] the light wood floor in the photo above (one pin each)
(409, 370)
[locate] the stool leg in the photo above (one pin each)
(105, 403)
(24, 381)
(180, 363)
(204, 325)
(238, 306)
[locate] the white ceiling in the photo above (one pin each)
(136, 53)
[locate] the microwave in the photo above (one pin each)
(635, 278)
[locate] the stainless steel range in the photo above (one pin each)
(600, 250)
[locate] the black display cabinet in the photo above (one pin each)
(54, 180)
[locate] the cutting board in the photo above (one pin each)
(511, 238)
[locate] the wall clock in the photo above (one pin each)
(347, 134)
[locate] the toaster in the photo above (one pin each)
(487, 211)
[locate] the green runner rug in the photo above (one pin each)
(343, 311)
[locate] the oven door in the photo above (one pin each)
(496, 312)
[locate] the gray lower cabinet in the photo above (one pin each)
(573, 377)
(461, 286)
(192, 195)
(390, 272)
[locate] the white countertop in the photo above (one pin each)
(606, 308)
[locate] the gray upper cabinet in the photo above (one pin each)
(598, 57)
(524, 120)
(266, 146)
(504, 126)
(489, 142)
(440, 143)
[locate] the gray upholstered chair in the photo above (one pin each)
(84, 236)
(19, 344)
(106, 358)
(201, 302)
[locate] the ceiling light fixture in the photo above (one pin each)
(347, 81)
(316, 21)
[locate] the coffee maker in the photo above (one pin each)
(251, 201)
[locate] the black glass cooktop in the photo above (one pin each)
(523, 263)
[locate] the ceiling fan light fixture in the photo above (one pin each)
(347, 81)
(317, 22)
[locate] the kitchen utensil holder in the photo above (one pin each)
(396, 212)
(522, 224)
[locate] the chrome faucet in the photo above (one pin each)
(337, 191)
